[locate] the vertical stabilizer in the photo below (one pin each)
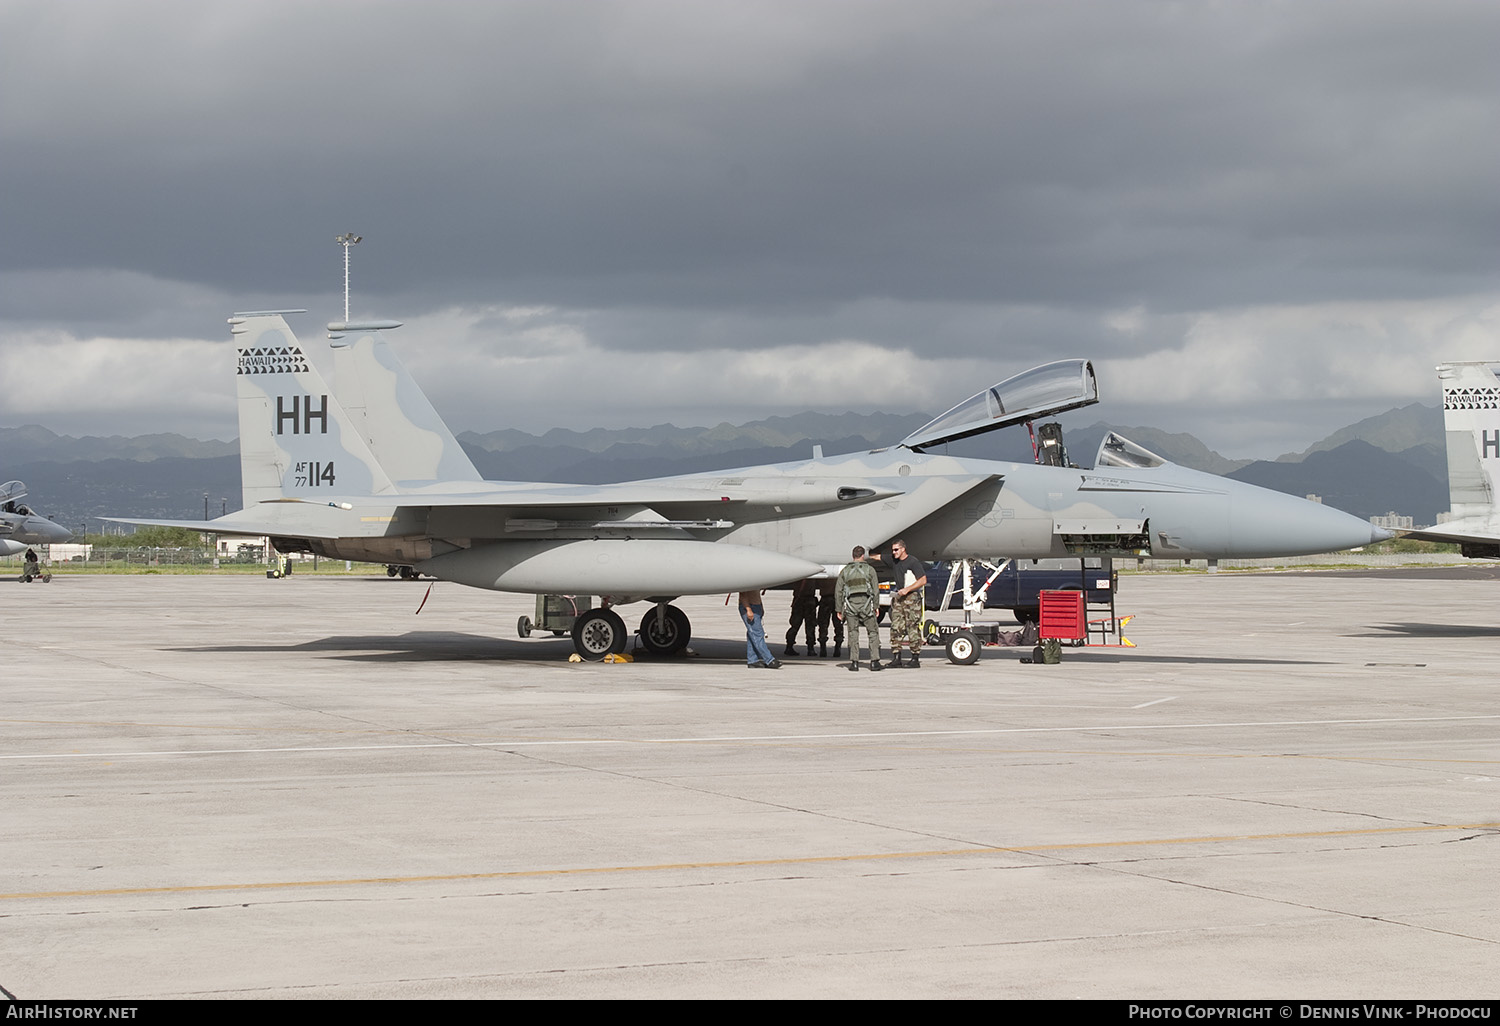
(1471, 424)
(393, 415)
(296, 441)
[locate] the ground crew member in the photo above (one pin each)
(804, 613)
(757, 655)
(857, 596)
(825, 618)
(907, 601)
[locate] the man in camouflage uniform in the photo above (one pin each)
(908, 594)
(857, 596)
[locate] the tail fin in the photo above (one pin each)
(296, 441)
(395, 418)
(1471, 423)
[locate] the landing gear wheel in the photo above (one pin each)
(408, 574)
(667, 637)
(598, 633)
(392, 571)
(963, 648)
(523, 626)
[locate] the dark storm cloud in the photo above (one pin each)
(707, 154)
(1192, 191)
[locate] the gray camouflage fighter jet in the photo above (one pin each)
(1471, 426)
(21, 528)
(371, 473)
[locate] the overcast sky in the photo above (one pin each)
(1262, 220)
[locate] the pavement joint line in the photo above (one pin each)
(756, 738)
(744, 863)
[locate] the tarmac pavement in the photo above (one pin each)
(237, 787)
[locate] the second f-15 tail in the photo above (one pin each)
(1471, 428)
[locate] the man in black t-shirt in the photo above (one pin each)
(907, 593)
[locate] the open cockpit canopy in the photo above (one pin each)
(1039, 392)
(1119, 451)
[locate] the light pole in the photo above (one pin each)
(346, 240)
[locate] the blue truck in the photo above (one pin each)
(1020, 582)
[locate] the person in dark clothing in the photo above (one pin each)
(804, 615)
(826, 618)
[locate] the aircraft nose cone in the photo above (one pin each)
(47, 529)
(1274, 524)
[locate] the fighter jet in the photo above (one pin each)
(20, 528)
(369, 484)
(1471, 425)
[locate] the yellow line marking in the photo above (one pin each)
(743, 863)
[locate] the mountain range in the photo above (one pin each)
(1392, 462)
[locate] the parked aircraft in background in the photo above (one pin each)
(383, 480)
(20, 528)
(1471, 426)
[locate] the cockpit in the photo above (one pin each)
(1040, 392)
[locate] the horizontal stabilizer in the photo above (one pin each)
(280, 519)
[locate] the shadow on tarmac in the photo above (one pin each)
(452, 646)
(1456, 572)
(1429, 630)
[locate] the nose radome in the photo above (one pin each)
(1272, 524)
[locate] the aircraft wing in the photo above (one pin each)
(1456, 531)
(489, 511)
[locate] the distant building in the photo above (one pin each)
(1392, 521)
(1315, 498)
(242, 549)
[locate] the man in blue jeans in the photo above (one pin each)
(757, 655)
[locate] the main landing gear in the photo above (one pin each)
(598, 633)
(664, 630)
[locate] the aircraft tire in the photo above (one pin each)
(963, 648)
(598, 633)
(668, 638)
